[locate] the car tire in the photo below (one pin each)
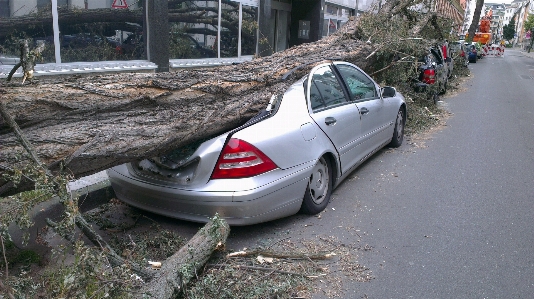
(398, 131)
(319, 188)
(434, 98)
(443, 88)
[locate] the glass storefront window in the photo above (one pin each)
(21, 13)
(90, 30)
(100, 30)
(194, 29)
(249, 29)
(108, 30)
(230, 29)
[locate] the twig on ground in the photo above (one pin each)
(315, 256)
(261, 269)
(4, 254)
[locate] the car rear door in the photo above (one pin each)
(337, 117)
(374, 114)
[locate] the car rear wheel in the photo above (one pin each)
(398, 132)
(319, 188)
(444, 87)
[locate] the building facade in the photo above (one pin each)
(173, 33)
(451, 9)
(97, 30)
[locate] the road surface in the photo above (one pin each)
(448, 216)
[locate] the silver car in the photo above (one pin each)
(287, 159)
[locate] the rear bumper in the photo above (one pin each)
(274, 200)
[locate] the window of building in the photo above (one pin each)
(331, 9)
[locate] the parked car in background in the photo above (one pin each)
(433, 74)
(132, 47)
(459, 49)
(472, 54)
(287, 159)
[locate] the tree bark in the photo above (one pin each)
(93, 123)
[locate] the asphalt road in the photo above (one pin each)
(447, 216)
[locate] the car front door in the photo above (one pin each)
(375, 119)
(337, 117)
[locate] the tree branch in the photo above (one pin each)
(272, 270)
(265, 253)
(25, 143)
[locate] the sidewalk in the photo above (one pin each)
(519, 50)
(531, 54)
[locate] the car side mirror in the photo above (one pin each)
(388, 92)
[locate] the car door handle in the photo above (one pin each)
(330, 121)
(364, 110)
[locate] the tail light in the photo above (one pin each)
(429, 76)
(240, 159)
(462, 54)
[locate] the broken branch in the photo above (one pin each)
(272, 270)
(319, 256)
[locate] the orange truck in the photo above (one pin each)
(483, 35)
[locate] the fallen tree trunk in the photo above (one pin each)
(92, 123)
(88, 124)
(177, 270)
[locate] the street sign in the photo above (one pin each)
(119, 4)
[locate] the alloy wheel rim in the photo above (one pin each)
(319, 182)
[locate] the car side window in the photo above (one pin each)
(360, 86)
(325, 89)
(437, 56)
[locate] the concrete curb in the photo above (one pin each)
(92, 191)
